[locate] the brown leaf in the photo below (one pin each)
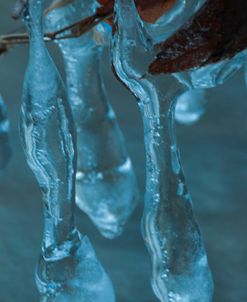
(18, 8)
(218, 31)
(151, 10)
(106, 7)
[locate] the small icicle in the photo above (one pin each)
(190, 106)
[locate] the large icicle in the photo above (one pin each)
(68, 269)
(106, 186)
(180, 269)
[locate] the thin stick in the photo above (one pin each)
(77, 29)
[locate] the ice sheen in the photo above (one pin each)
(105, 191)
(68, 269)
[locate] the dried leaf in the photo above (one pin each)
(106, 7)
(151, 10)
(218, 31)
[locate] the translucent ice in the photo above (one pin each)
(68, 269)
(105, 184)
(78, 277)
(173, 19)
(180, 269)
(213, 74)
(5, 151)
(190, 106)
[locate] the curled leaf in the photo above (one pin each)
(218, 31)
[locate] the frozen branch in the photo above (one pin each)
(71, 31)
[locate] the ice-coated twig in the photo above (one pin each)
(71, 31)
(68, 269)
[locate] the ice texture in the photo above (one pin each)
(172, 19)
(106, 188)
(190, 106)
(180, 270)
(5, 149)
(68, 269)
(212, 75)
(79, 277)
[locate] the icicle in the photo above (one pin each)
(180, 269)
(106, 185)
(190, 106)
(68, 269)
(5, 150)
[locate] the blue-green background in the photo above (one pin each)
(214, 154)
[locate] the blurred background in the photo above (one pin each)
(214, 156)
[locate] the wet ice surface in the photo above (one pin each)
(214, 153)
(190, 106)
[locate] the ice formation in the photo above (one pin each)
(180, 269)
(68, 269)
(106, 187)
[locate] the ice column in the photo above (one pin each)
(180, 269)
(68, 269)
(106, 186)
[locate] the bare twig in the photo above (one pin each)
(77, 29)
